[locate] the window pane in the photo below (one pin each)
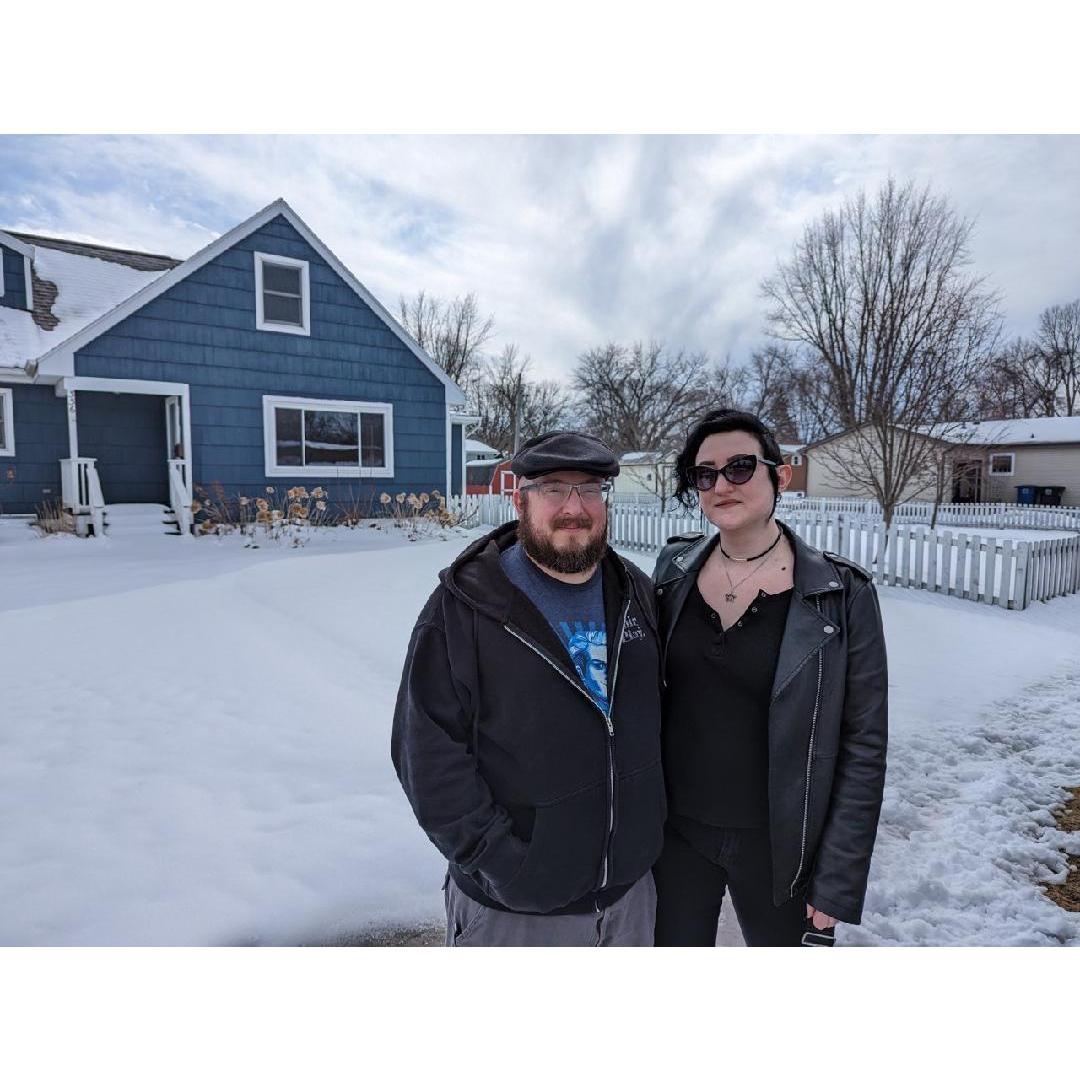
(287, 438)
(284, 279)
(372, 441)
(330, 438)
(3, 432)
(282, 309)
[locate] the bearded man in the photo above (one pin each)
(527, 727)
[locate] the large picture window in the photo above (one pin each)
(7, 423)
(309, 437)
(282, 294)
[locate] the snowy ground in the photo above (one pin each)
(195, 748)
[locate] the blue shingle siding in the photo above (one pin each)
(126, 434)
(14, 279)
(456, 486)
(32, 476)
(202, 332)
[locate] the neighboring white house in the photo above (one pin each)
(996, 458)
(475, 450)
(646, 472)
(1018, 460)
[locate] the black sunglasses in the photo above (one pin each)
(736, 471)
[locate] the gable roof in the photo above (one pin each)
(59, 359)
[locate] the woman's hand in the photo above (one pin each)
(821, 920)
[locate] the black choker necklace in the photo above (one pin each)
(752, 558)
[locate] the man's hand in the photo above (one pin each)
(821, 920)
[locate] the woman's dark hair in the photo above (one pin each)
(713, 423)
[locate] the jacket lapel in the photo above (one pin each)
(807, 629)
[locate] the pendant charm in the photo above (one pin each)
(730, 597)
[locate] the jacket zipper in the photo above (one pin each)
(610, 727)
(809, 763)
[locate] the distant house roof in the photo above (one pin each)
(475, 446)
(791, 448)
(72, 284)
(1018, 432)
(646, 457)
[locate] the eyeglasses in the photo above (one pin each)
(736, 471)
(556, 492)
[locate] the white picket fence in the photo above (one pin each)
(987, 515)
(985, 569)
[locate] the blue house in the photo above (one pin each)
(259, 361)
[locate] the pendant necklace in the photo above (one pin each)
(733, 585)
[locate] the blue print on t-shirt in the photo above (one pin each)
(588, 649)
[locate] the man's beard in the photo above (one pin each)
(574, 560)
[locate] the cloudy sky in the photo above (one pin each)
(568, 241)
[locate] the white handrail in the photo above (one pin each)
(180, 494)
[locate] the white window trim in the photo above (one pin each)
(261, 323)
(796, 460)
(7, 404)
(1012, 464)
(326, 472)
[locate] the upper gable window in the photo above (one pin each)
(282, 294)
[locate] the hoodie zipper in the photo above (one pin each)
(609, 726)
(809, 763)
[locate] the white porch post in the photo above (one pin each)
(73, 426)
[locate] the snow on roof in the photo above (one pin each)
(790, 448)
(1019, 432)
(87, 286)
(645, 457)
(474, 446)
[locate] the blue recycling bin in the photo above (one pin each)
(1025, 494)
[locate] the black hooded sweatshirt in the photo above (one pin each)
(540, 802)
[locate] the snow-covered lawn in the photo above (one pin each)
(195, 748)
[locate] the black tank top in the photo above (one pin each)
(716, 711)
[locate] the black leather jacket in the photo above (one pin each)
(828, 721)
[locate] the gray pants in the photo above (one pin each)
(629, 921)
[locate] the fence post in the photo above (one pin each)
(1020, 581)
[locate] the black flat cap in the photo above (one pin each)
(557, 450)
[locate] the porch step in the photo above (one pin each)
(139, 518)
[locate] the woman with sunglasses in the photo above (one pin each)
(775, 704)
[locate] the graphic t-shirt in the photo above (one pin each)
(576, 614)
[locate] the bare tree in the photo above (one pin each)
(1019, 380)
(502, 392)
(878, 305)
(641, 396)
(453, 332)
(1059, 346)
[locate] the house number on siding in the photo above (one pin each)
(71, 402)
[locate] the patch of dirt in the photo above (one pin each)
(1067, 895)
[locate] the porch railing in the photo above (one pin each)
(80, 493)
(180, 493)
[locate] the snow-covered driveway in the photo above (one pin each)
(194, 748)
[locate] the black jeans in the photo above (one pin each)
(690, 891)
